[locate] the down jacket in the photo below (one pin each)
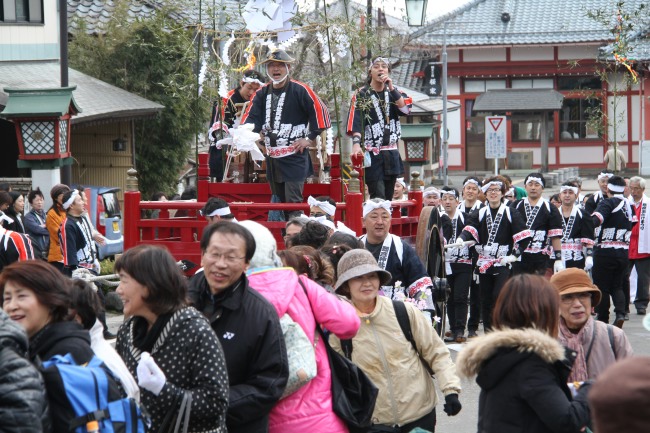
(523, 378)
(310, 408)
(23, 400)
(380, 349)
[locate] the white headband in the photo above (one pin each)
(571, 188)
(510, 191)
(615, 188)
(452, 192)
(471, 181)
(431, 191)
(324, 221)
(252, 80)
(327, 207)
(369, 206)
(68, 202)
(220, 212)
(379, 59)
(602, 176)
(400, 180)
(535, 179)
(489, 184)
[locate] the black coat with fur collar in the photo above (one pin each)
(523, 378)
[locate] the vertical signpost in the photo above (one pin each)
(495, 139)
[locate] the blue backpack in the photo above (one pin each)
(93, 393)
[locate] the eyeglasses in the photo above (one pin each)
(493, 190)
(570, 299)
(228, 258)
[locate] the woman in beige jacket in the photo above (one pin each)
(407, 395)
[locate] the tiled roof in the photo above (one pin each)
(528, 22)
(639, 48)
(98, 100)
(96, 13)
(519, 100)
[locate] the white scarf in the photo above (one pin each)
(644, 226)
(326, 206)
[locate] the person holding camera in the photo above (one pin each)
(373, 119)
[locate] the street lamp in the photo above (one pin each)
(416, 11)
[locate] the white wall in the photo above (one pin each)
(455, 155)
(618, 118)
(577, 52)
(531, 53)
(581, 154)
(484, 55)
(33, 41)
(454, 126)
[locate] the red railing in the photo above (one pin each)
(181, 235)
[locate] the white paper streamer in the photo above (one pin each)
(329, 141)
(226, 47)
(201, 79)
(325, 57)
(286, 44)
(223, 84)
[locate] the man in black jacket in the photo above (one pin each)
(246, 324)
(23, 401)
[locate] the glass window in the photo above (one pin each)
(579, 119)
(480, 86)
(579, 83)
(529, 127)
(532, 83)
(22, 10)
(111, 204)
(474, 86)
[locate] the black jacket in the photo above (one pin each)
(523, 378)
(249, 330)
(23, 403)
(188, 352)
(60, 338)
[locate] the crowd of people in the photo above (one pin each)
(538, 273)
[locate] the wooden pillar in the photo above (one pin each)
(415, 193)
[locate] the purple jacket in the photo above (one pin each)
(310, 408)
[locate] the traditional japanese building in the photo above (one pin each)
(537, 44)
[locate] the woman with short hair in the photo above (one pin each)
(407, 396)
(169, 346)
(35, 223)
(521, 367)
(37, 297)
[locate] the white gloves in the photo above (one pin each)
(458, 244)
(150, 376)
(589, 263)
(506, 260)
(558, 266)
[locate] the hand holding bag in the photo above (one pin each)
(171, 425)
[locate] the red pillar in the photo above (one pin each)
(131, 218)
(354, 211)
(414, 211)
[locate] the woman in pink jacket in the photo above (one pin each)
(309, 409)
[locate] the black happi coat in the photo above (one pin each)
(613, 228)
(364, 119)
(578, 230)
(543, 226)
(468, 210)
(303, 115)
(511, 230)
(592, 202)
(460, 259)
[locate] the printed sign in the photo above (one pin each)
(495, 137)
